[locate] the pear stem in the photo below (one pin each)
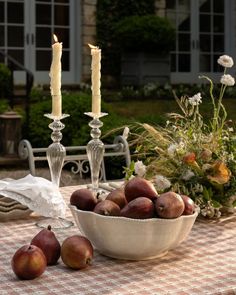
(49, 227)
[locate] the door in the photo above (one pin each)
(26, 30)
(204, 31)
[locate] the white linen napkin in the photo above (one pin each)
(37, 193)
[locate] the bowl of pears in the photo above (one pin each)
(133, 221)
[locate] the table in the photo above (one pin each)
(203, 264)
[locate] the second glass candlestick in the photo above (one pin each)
(95, 148)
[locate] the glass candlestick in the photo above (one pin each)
(95, 148)
(56, 153)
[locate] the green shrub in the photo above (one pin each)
(109, 12)
(77, 131)
(145, 33)
(3, 106)
(5, 81)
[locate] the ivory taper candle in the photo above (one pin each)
(96, 79)
(55, 75)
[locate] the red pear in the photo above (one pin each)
(48, 243)
(28, 262)
(139, 187)
(189, 206)
(77, 252)
(83, 199)
(169, 205)
(118, 197)
(139, 208)
(107, 208)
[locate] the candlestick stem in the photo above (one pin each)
(56, 153)
(95, 148)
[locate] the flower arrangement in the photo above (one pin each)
(190, 156)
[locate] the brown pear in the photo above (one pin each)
(139, 208)
(108, 208)
(139, 187)
(83, 199)
(48, 243)
(117, 196)
(169, 205)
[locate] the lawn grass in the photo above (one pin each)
(155, 110)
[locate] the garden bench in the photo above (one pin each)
(76, 156)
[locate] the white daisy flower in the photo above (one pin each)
(196, 99)
(227, 80)
(139, 168)
(161, 182)
(225, 61)
(171, 149)
(187, 175)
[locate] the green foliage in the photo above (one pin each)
(3, 105)
(77, 131)
(5, 81)
(145, 33)
(109, 12)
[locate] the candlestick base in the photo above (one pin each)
(95, 148)
(55, 223)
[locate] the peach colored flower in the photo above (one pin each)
(220, 174)
(189, 158)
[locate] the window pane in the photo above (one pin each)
(184, 42)
(218, 6)
(61, 15)
(205, 63)
(2, 12)
(217, 67)
(43, 14)
(170, 4)
(15, 13)
(184, 22)
(15, 36)
(61, 1)
(205, 23)
(65, 61)
(43, 60)
(63, 36)
(2, 35)
(44, 37)
(205, 43)
(205, 6)
(218, 24)
(184, 5)
(184, 63)
(18, 55)
(218, 43)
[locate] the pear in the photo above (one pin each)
(117, 196)
(28, 262)
(189, 206)
(139, 187)
(169, 205)
(139, 208)
(108, 208)
(83, 199)
(48, 243)
(77, 252)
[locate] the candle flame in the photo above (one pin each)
(55, 38)
(92, 46)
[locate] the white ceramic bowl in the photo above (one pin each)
(133, 239)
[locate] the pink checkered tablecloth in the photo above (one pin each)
(203, 264)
